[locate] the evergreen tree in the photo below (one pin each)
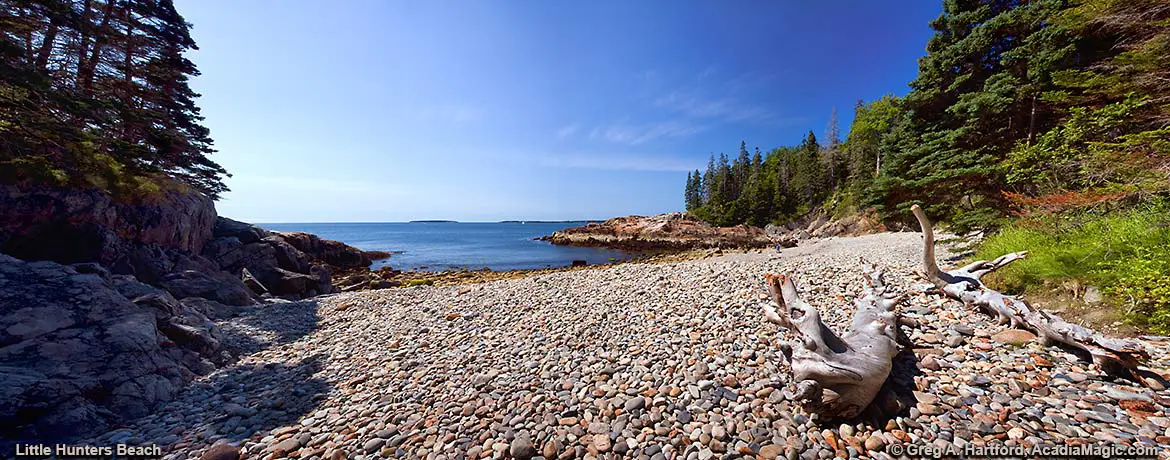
(694, 197)
(708, 181)
(871, 123)
(970, 108)
(833, 158)
(95, 94)
(1051, 103)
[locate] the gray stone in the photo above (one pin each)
(635, 404)
(522, 448)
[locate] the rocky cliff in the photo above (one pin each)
(68, 226)
(108, 307)
(664, 231)
(818, 225)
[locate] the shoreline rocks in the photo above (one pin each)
(82, 350)
(674, 231)
(70, 226)
(124, 328)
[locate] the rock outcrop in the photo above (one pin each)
(82, 350)
(329, 252)
(70, 226)
(665, 231)
(172, 240)
(816, 225)
(281, 264)
(109, 307)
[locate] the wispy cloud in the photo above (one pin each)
(635, 134)
(722, 108)
(618, 162)
(568, 130)
(689, 106)
(708, 72)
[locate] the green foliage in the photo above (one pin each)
(760, 188)
(1017, 107)
(1126, 254)
(1086, 152)
(96, 94)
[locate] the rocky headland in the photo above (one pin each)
(109, 307)
(674, 231)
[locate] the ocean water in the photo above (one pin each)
(436, 246)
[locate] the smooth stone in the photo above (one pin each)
(771, 451)
(221, 452)
(1015, 337)
(522, 448)
(373, 445)
(601, 443)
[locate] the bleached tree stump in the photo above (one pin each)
(1117, 357)
(837, 376)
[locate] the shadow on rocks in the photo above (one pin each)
(263, 326)
(896, 396)
(234, 404)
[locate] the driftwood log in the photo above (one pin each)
(1116, 357)
(837, 376)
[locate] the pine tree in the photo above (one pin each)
(832, 152)
(95, 93)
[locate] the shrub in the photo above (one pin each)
(1126, 254)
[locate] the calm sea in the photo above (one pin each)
(449, 245)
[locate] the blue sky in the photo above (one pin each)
(371, 110)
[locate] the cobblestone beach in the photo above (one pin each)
(649, 361)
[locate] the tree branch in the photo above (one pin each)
(1115, 356)
(837, 376)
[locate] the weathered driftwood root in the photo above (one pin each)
(1115, 356)
(837, 376)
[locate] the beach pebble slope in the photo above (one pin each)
(650, 361)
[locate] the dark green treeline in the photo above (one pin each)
(1018, 106)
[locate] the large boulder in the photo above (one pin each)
(290, 265)
(333, 253)
(217, 286)
(242, 231)
(82, 350)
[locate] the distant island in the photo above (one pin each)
(436, 221)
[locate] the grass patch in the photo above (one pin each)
(1126, 254)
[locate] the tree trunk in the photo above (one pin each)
(1116, 357)
(1032, 121)
(83, 27)
(837, 376)
(85, 74)
(42, 57)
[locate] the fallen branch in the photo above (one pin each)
(837, 376)
(1116, 357)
